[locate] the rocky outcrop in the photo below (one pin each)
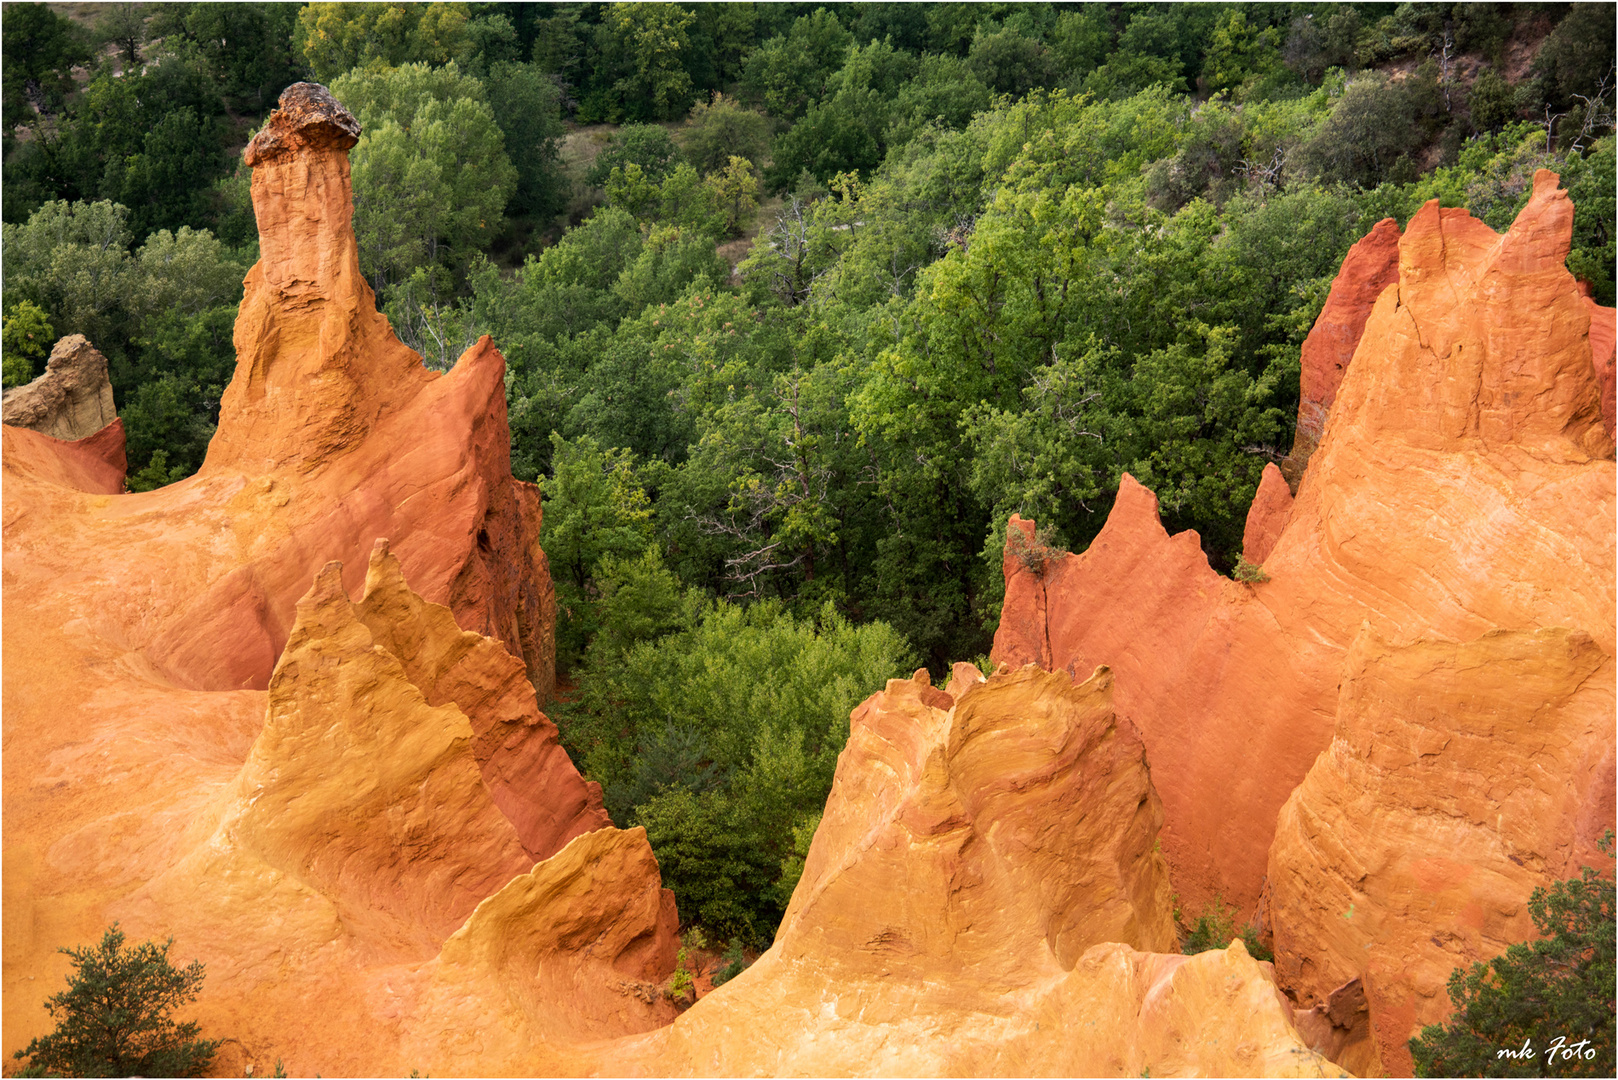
(1454, 784)
(1267, 517)
(71, 400)
(1370, 266)
(353, 812)
(1149, 607)
(984, 897)
(317, 859)
(515, 745)
(1452, 536)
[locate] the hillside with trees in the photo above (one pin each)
(799, 303)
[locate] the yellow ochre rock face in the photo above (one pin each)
(984, 897)
(329, 779)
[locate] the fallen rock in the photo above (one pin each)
(73, 398)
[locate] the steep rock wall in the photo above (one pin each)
(1464, 486)
(143, 631)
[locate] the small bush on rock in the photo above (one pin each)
(114, 1017)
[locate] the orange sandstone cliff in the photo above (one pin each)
(1382, 749)
(329, 778)
(984, 897)
(158, 659)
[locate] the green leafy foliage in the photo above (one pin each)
(163, 317)
(28, 339)
(717, 728)
(720, 130)
(527, 107)
(1216, 928)
(1542, 1008)
(431, 175)
(40, 49)
(340, 37)
(114, 1018)
(246, 49)
(735, 962)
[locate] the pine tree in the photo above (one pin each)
(114, 1017)
(1544, 1008)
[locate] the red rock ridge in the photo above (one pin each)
(1464, 486)
(1370, 266)
(94, 465)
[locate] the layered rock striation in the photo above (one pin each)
(328, 777)
(1413, 714)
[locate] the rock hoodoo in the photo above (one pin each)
(1452, 530)
(144, 632)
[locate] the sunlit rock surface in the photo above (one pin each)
(145, 747)
(1455, 523)
(984, 897)
(327, 777)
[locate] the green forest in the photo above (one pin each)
(799, 302)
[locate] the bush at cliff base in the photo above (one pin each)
(1544, 1008)
(113, 1018)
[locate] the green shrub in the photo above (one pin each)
(735, 964)
(1543, 1008)
(1216, 928)
(1250, 572)
(114, 1017)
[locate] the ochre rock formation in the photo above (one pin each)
(1458, 514)
(142, 631)
(983, 897)
(71, 400)
(353, 812)
(356, 870)
(1370, 266)
(94, 465)
(1271, 509)
(1454, 784)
